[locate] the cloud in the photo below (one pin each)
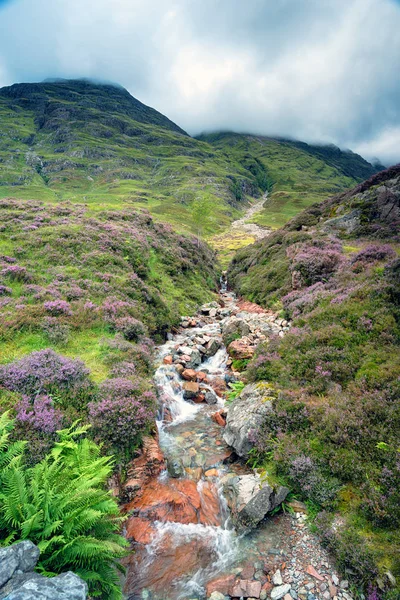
(316, 71)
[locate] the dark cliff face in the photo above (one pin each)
(67, 100)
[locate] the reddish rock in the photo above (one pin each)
(219, 386)
(189, 374)
(311, 571)
(209, 505)
(199, 399)
(190, 389)
(221, 584)
(246, 306)
(148, 464)
(201, 376)
(246, 589)
(211, 473)
(168, 360)
(248, 572)
(267, 587)
(241, 349)
(332, 590)
(139, 530)
(219, 418)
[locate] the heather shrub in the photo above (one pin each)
(382, 497)
(314, 263)
(308, 478)
(40, 414)
(58, 307)
(46, 372)
(16, 273)
(122, 415)
(57, 332)
(374, 252)
(5, 291)
(132, 329)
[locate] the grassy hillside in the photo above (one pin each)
(87, 142)
(92, 143)
(296, 174)
(334, 436)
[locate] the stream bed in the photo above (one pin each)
(184, 543)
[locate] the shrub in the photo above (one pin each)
(132, 329)
(16, 273)
(58, 307)
(39, 414)
(57, 332)
(61, 505)
(374, 252)
(315, 263)
(5, 291)
(309, 479)
(47, 372)
(122, 416)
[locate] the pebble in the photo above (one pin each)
(344, 584)
(277, 578)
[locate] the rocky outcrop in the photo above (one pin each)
(245, 414)
(234, 328)
(18, 581)
(251, 498)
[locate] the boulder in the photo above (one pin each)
(279, 592)
(234, 328)
(245, 414)
(250, 499)
(212, 347)
(210, 397)
(19, 582)
(190, 390)
(221, 584)
(245, 588)
(241, 349)
(189, 374)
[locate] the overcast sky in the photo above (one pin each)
(315, 70)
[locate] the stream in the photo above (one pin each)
(180, 525)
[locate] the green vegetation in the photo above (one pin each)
(296, 175)
(334, 435)
(61, 505)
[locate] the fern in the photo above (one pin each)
(61, 505)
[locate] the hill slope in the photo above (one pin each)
(334, 435)
(94, 143)
(296, 174)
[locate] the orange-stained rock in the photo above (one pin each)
(219, 386)
(189, 374)
(219, 418)
(221, 584)
(171, 563)
(246, 306)
(139, 530)
(211, 473)
(168, 360)
(201, 376)
(209, 504)
(199, 399)
(149, 463)
(190, 389)
(240, 349)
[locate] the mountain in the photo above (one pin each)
(90, 142)
(295, 173)
(333, 271)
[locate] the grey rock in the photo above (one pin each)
(277, 578)
(250, 499)
(344, 584)
(67, 586)
(212, 347)
(348, 222)
(280, 591)
(245, 413)
(19, 582)
(211, 397)
(217, 596)
(22, 557)
(234, 328)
